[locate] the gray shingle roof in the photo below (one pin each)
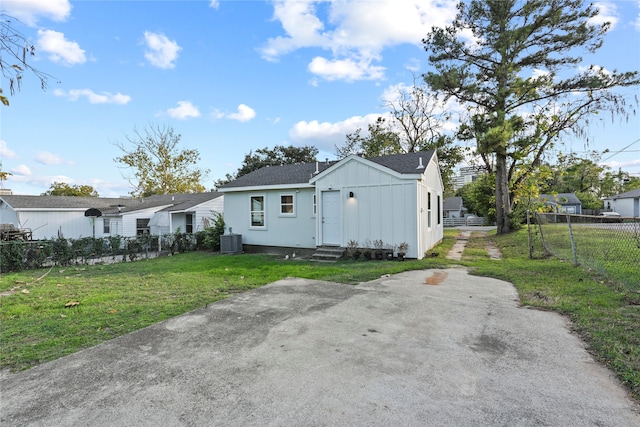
(109, 205)
(633, 194)
(404, 163)
(562, 198)
(279, 175)
(302, 173)
(61, 202)
(452, 203)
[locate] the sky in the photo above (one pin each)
(232, 76)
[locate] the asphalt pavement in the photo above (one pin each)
(420, 348)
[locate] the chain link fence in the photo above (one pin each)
(609, 245)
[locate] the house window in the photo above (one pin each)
(106, 226)
(257, 211)
(287, 205)
(429, 209)
(438, 207)
(189, 225)
(142, 226)
(315, 205)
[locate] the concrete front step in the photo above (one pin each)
(324, 253)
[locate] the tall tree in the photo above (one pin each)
(520, 81)
(64, 189)
(613, 183)
(15, 48)
(381, 140)
(579, 174)
(279, 155)
(158, 165)
(415, 123)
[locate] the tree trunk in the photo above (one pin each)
(503, 203)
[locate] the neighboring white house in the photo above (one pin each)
(453, 207)
(395, 198)
(65, 216)
(626, 204)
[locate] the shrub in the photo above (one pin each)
(12, 256)
(212, 234)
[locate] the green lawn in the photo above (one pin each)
(53, 313)
(613, 249)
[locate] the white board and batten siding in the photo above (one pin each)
(385, 205)
(68, 223)
(295, 230)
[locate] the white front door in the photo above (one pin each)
(331, 218)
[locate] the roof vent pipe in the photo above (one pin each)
(317, 170)
(420, 166)
(326, 161)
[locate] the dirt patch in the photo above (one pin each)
(436, 278)
(493, 250)
(458, 247)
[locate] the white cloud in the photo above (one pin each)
(243, 114)
(21, 170)
(92, 97)
(594, 70)
(161, 52)
(60, 50)
(622, 165)
(539, 73)
(47, 158)
(326, 135)
(214, 4)
(5, 152)
(608, 13)
(29, 11)
(636, 23)
(345, 69)
(355, 32)
(184, 110)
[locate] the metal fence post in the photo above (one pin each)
(529, 235)
(573, 243)
(544, 243)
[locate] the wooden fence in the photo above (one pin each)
(462, 222)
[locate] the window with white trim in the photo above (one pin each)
(106, 225)
(257, 211)
(315, 205)
(287, 205)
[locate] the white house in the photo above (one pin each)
(453, 207)
(75, 217)
(626, 204)
(395, 199)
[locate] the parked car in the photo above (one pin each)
(610, 216)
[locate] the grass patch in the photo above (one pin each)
(36, 325)
(53, 313)
(604, 312)
(612, 249)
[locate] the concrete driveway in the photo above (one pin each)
(421, 348)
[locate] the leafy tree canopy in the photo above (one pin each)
(414, 123)
(64, 189)
(158, 165)
(514, 65)
(279, 155)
